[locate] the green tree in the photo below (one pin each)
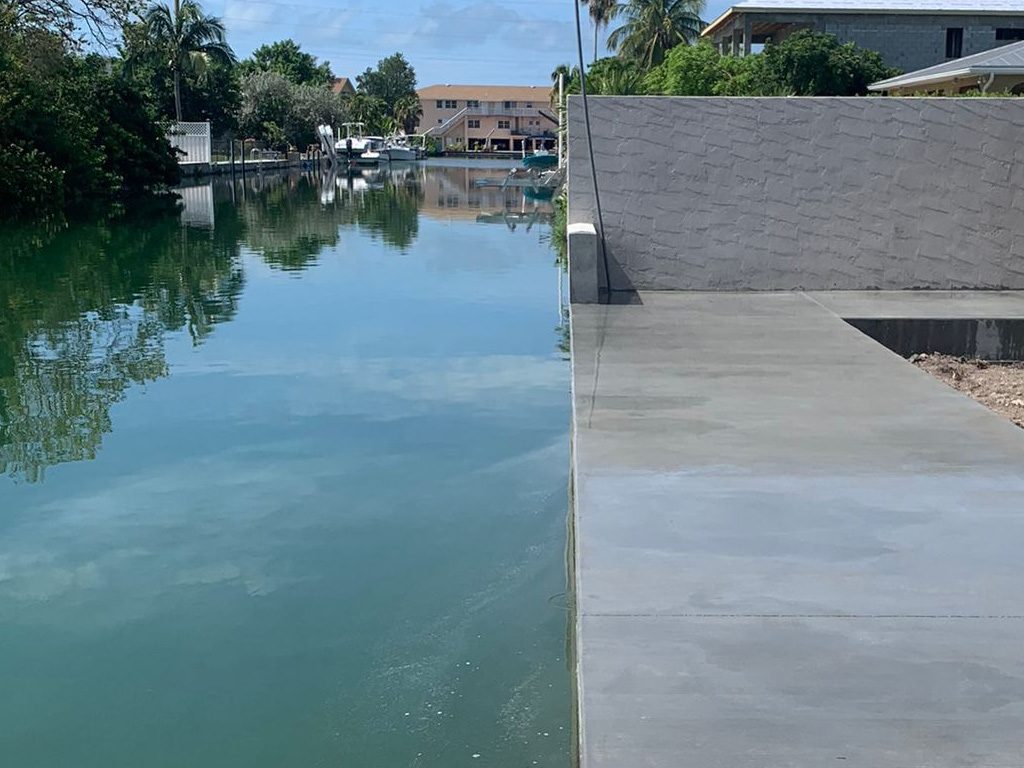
(286, 58)
(688, 70)
(814, 64)
(277, 110)
(313, 105)
(654, 27)
(393, 80)
(804, 64)
(602, 12)
(267, 102)
(188, 40)
(699, 70)
(73, 21)
(610, 76)
(614, 77)
(213, 96)
(71, 133)
(407, 112)
(369, 110)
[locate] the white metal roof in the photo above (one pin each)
(1007, 60)
(1009, 7)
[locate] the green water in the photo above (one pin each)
(283, 482)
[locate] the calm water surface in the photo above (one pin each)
(284, 481)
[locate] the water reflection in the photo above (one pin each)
(326, 514)
(86, 310)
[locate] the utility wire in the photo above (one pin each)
(590, 151)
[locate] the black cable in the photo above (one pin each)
(590, 149)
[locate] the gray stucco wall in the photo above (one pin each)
(908, 42)
(781, 194)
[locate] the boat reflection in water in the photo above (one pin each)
(452, 192)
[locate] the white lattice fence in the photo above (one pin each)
(193, 139)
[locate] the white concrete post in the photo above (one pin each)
(561, 119)
(584, 270)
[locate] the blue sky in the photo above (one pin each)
(447, 41)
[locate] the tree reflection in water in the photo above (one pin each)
(83, 313)
(85, 309)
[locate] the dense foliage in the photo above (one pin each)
(186, 41)
(804, 64)
(214, 95)
(73, 21)
(287, 59)
(393, 80)
(654, 27)
(813, 64)
(284, 114)
(72, 133)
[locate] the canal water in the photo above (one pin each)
(283, 480)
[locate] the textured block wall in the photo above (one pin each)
(910, 42)
(781, 194)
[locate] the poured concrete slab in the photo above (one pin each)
(946, 305)
(794, 548)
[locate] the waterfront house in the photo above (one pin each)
(909, 34)
(997, 71)
(489, 117)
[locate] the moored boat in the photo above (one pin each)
(541, 159)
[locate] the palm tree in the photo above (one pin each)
(653, 27)
(408, 111)
(188, 40)
(601, 13)
(567, 72)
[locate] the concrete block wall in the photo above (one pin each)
(798, 193)
(907, 42)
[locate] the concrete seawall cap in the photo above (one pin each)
(584, 276)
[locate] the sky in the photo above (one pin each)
(486, 42)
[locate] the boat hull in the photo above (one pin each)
(540, 161)
(400, 155)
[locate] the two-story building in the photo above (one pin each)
(509, 118)
(909, 34)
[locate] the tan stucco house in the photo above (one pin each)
(492, 117)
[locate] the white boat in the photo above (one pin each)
(355, 145)
(397, 150)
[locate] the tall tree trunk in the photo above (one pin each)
(177, 95)
(597, 32)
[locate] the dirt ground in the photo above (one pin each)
(1000, 386)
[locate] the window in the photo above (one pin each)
(1007, 33)
(474, 123)
(954, 42)
(504, 125)
(440, 104)
(473, 104)
(529, 105)
(439, 121)
(510, 105)
(451, 104)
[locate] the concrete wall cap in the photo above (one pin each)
(581, 229)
